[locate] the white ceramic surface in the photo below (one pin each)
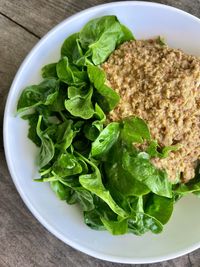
(182, 234)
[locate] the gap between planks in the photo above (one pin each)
(21, 26)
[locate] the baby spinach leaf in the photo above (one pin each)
(118, 227)
(92, 128)
(101, 36)
(81, 106)
(32, 134)
(193, 186)
(134, 130)
(154, 150)
(144, 171)
(49, 71)
(44, 93)
(51, 131)
(99, 123)
(64, 192)
(47, 149)
(72, 197)
(159, 207)
(161, 41)
(127, 35)
(99, 114)
(141, 222)
(95, 28)
(67, 186)
(61, 191)
(58, 104)
(97, 76)
(93, 183)
(92, 219)
(65, 135)
(66, 165)
(106, 97)
(68, 48)
(90, 131)
(119, 178)
(70, 74)
(85, 199)
(74, 91)
(105, 140)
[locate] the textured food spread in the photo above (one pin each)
(116, 123)
(161, 85)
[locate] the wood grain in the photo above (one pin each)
(12, 52)
(23, 240)
(39, 16)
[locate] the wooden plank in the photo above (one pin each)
(194, 258)
(40, 16)
(15, 43)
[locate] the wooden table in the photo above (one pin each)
(24, 241)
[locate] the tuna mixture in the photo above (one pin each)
(161, 85)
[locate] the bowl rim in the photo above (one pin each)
(36, 214)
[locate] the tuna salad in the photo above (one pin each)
(161, 85)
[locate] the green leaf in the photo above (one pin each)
(64, 192)
(105, 140)
(134, 130)
(144, 171)
(92, 130)
(44, 93)
(159, 207)
(118, 227)
(81, 106)
(32, 134)
(69, 47)
(47, 149)
(127, 35)
(161, 41)
(93, 183)
(106, 97)
(101, 36)
(92, 219)
(58, 104)
(85, 199)
(61, 191)
(68, 189)
(70, 74)
(49, 71)
(142, 222)
(154, 150)
(193, 186)
(66, 165)
(65, 135)
(99, 114)
(120, 179)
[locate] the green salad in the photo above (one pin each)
(87, 159)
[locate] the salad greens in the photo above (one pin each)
(88, 160)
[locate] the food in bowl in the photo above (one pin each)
(92, 152)
(160, 85)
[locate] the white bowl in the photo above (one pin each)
(182, 233)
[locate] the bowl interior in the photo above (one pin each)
(182, 233)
